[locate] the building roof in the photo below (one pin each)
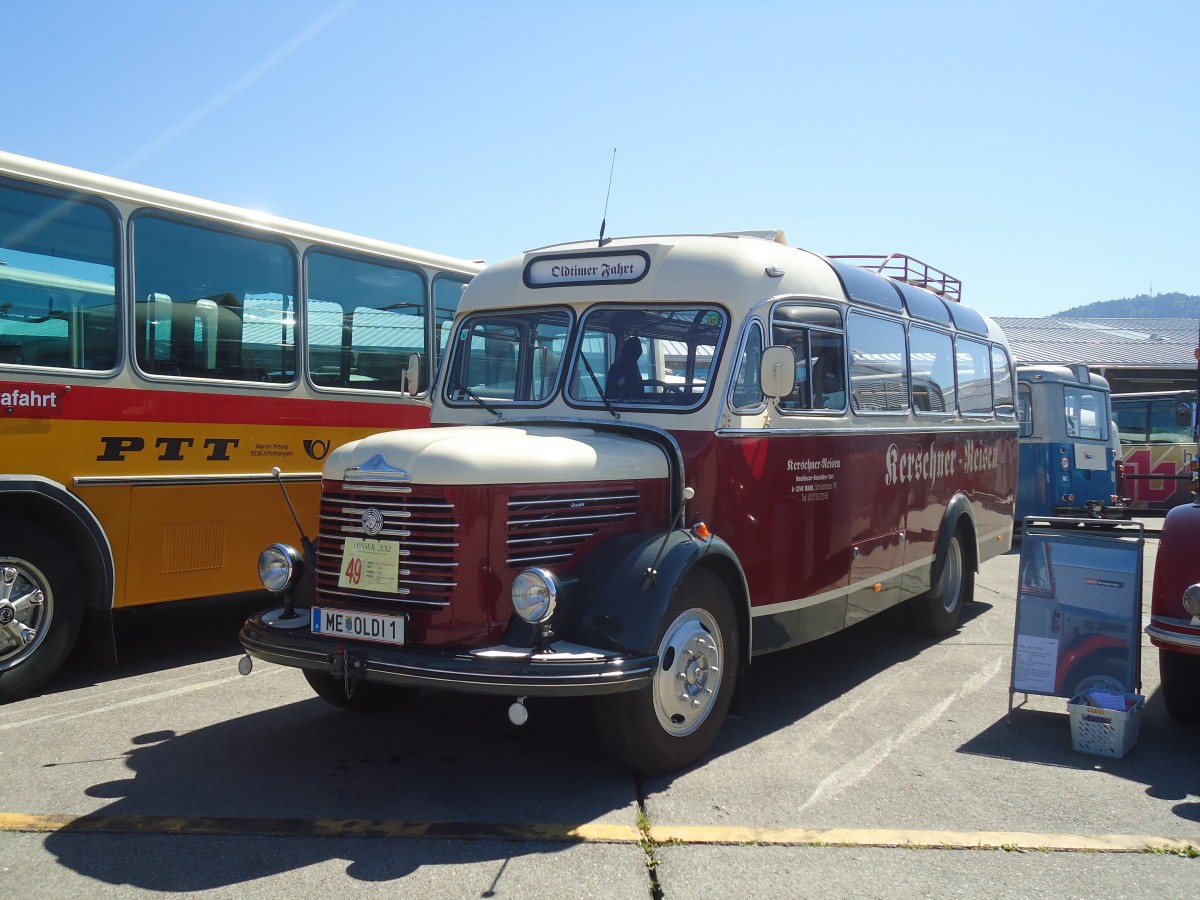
(1100, 342)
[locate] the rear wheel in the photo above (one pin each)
(672, 721)
(367, 696)
(40, 607)
(1180, 674)
(938, 611)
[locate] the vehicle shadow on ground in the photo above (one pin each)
(307, 773)
(782, 688)
(161, 637)
(448, 759)
(1162, 757)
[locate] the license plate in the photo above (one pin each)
(361, 625)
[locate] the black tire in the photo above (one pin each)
(938, 611)
(1180, 675)
(368, 696)
(663, 727)
(35, 637)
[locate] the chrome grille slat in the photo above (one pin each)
(582, 536)
(550, 528)
(564, 520)
(560, 501)
(421, 521)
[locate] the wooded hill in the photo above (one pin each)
(1143, 306)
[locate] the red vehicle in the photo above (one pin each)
(1175, 612)
(658, 459)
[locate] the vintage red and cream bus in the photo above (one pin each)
(159, 354)
(658, 459)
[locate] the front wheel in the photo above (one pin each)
(1180, 675)
(939, 611)
(367, 696)
(40, 607)
(672, 721)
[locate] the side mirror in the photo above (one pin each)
(412, 375)
(777, 372)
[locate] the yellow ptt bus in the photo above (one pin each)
(159, 355)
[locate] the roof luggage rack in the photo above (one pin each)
(903, 267)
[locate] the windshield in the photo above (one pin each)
(622, 357)
(646, 356)
(514, 356)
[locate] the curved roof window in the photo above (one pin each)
(866, 286)
(923, 304)
(966, 319)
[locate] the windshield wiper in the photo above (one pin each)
(599, 390)
(470, 393)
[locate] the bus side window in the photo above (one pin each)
(1025, 410)
(973, 363)
(828, 370)
(931, 359)
(1002, 374)
(879, 365)
(218, 303)
(814, 333)
(747, 392)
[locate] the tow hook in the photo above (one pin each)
(348, 668)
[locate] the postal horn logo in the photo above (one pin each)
(372, 521)
(316, 449)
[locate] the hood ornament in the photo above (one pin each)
(375, 469)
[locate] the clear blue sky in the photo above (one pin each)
(1046, 153)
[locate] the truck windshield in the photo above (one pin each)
(649, 356)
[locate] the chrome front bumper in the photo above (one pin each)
(565, 670)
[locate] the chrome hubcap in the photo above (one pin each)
(952, 578)
(24, 610)
(689, 673)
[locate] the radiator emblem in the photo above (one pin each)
(372, 521)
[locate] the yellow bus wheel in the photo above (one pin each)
(40, 607)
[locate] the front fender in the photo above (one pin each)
(620, 607)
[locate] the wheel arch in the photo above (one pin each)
(51, 505)
(959, 519)
(623, 607)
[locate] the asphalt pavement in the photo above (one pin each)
(876, 763)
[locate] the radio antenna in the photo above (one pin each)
(604, 218)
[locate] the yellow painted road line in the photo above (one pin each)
(594, 833)
(908, 838)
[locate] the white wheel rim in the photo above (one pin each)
(688, 678)
(952, 577)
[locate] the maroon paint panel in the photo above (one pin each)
(795, 507)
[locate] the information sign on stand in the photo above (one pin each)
(1079, 608)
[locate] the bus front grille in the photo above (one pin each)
(550, 528)
(422, 524)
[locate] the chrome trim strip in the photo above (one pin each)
(859, 428)
(1176, 638)
(176, 480)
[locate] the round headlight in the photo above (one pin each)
(1191, 599)
(279, 567)
(534, 595)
